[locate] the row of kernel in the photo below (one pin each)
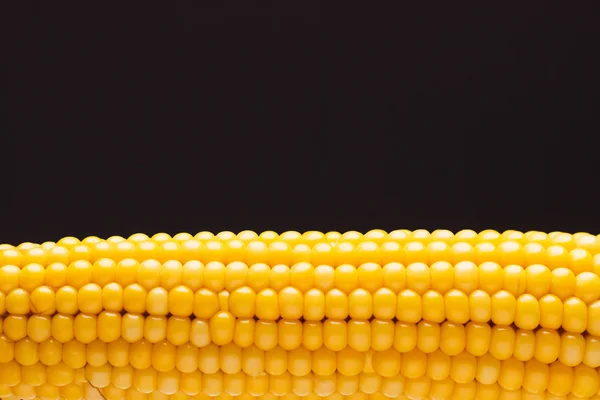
(19, 341)
(502, 308)
(581, 239)
(416, 389)
(509, 375)
(106, 278)
(224, 328)
(97, 287)
(505, 253)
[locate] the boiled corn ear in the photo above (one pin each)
(404, 314)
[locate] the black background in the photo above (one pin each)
(127, 117)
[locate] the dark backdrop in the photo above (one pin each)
(127, 117)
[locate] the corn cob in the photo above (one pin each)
(344, 315)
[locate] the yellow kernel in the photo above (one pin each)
(34, 375)
(148, 274)
(461, 251)
(26, 352)
(428, 336)
(18, 302)
(181, 301)
(415, 251)
(370, 276)
(438, 365)
(536, 376)
(515, 280)
(480, 306)
(561, 379)
(118, 354)
(580, 260)
(547, 345)
(89, 298)
(157, 301)
(289, 334)
(171, 274)
(104, 271)
(290, 302)
(206, 303)
(178, 330)
(575, 315)
(186, 358)
(155, 328)
(279, 252)
(394, 276)
(510, 252)
(585, 381)
(244, 332)
(109, 326)
(163, 356)
(535, 253)
(527, 313)
(266, 335)
(346, 278)
(563, 283)
(85, 328)
(74, 354)
(504, 307)
(140, 354)
(15, 327)
(463, 367)
(405, 337)
(484, 252)
(7, 349)
(524, 345)
(62, 327)
(438, 251)
(453, 338)
(125, 272)
(132, 327)
(335, 336)
(572, 349)
(466, 276)
(359, 335)
(442, 276)
(587, 287)
(79, 273)
(39, 327)
(312, 335)
(32, 276)
(511, 374)
(478, 338)
(456, 305)
(384, 304)
(56, 275)
(413, 364)
(112, 297)
(408, 307)
(314, 305)
(488, 369)
(221, 326)
(43, 300)
(360, 304)
(144, 380)
(66, 300)
(491, 277)
(9, 278)
(367, 251)
(558, 256)
(502, 342)
(256, 252)
(276, 361)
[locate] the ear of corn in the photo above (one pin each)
(401, 314)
